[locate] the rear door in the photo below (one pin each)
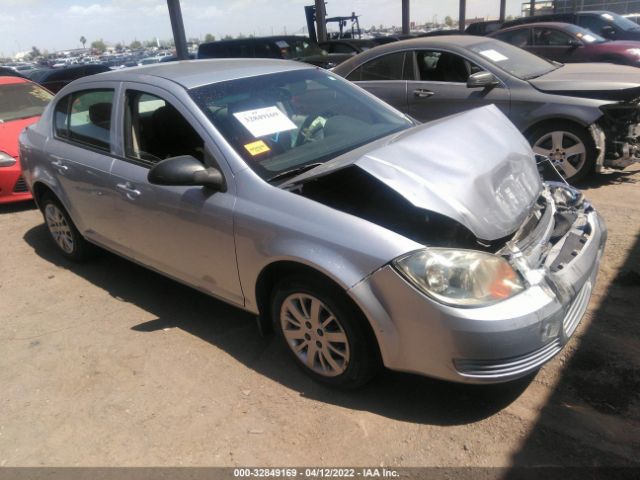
(386, 77)
(80, 154)
(184, 232)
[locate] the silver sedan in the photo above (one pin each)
(362, 238)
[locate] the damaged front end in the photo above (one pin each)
(617, 134)
(550, 249)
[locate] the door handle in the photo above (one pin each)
(131, 192)
(422, 93)
(58, 165)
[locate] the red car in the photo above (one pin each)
(21, 104)
(568, 43)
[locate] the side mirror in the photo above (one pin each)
(186, 170)
(574, 43)
(608, 31)
(482, 80)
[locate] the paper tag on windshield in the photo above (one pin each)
(493, 55)
(265, 121)
(256, 148)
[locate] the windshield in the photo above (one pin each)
(285, 121)
(513, 60)
(587, 36)
(620, 21)
(22, 100)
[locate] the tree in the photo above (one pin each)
(83, 41)
(119, 47)
(209, 38)
(99, 45)
(35, 53)
(135, 45)
(448, 21)
(228, 37)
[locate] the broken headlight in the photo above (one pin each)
(462, 278)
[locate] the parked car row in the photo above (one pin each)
(406, 227)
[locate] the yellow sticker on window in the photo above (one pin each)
(256, 148)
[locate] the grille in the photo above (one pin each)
(508, 367)
(20, 186)
(577, 309)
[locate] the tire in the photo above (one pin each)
(313, 316)
(63, 231)
(569, 146)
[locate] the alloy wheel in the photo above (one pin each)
(314, 334)
(565, 150)
(59, 228)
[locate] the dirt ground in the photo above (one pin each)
(107, 363)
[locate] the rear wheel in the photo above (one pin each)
(327, 335)
(568, 146)
(63, 231)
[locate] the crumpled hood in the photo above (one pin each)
(572, 78)
(475, 168)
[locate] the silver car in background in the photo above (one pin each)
(583, 116)
(363, 238)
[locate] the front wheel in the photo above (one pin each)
(324, 332)
(569, 147)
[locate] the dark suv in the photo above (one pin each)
(286, 47)
(607, 24)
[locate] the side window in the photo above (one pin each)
(519, 38)
(89, 118)
(550, 37)
(592, 22)
(343, 48)
(388, 67)
(155, 130)
(435, 66)
(61, 117)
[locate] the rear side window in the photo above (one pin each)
(388, 67)
(519, 38)
(61, 115)
(85, 117)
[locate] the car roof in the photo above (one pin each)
(195, 73)
(425, 42)
(535, 25)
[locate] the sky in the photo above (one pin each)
(59, 24)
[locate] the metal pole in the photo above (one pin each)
(463, 15)
(177, 25)
(503, 9)
(321, 24)
(405, 17)
(532, 8)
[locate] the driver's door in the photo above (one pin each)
(440, 86)
(184, 232)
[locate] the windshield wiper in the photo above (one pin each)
(293, 172)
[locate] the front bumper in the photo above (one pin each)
(12, 186)
(491, 344)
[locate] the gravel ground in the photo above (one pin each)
(107, 363)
